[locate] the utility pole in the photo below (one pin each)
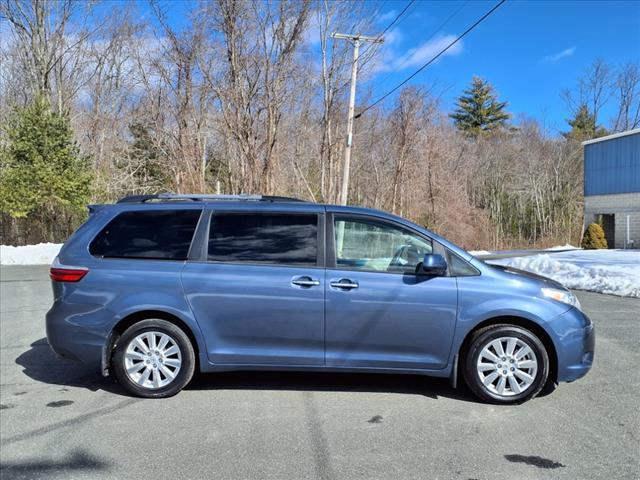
(356, 39)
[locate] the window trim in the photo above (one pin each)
(202, 256)
(148, 259)
(198, 251)
(330, 239)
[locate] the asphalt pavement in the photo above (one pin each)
(60, 420)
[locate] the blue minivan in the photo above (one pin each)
(155, 287)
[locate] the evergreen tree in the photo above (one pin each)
(151, 172)
(479, 111)
(583, 126)
(42, 169)
(594, 237)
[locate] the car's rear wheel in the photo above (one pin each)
(154, 359)
(505, 364)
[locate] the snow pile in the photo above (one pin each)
(562, 247)
(482, 253)
(615, 272)
(40, 254)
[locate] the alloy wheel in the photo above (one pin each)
(152, 360)
(507, 366)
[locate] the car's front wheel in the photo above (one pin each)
(154, 359)
(506, 364)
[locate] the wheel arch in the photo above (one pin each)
(525, 323)
(133, 318)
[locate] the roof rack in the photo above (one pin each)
(197, 197)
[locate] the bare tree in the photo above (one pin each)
(253, 87)
(627, 95)
(406, 123)
(593, 89)
(177, 82)
(45, 46)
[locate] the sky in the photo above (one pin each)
(528, 50)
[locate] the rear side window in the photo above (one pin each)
(268, 238)
(153, 234)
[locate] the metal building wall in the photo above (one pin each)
(612, 166)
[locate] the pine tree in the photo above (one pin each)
(42, 169)
(150, 171)
(583, 126)
(479, 111)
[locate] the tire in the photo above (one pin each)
(548, 388)
(512, 381)
(157, 372)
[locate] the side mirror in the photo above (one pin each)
(433, 264)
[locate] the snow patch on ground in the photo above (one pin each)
(40, 254)
(615, 272)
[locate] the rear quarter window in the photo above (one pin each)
(152, 234)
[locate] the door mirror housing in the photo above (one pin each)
(432, 264)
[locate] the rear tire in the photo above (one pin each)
(505, 364)
(154, 359)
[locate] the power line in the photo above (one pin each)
(397, 18)
(432, 59)
(393, 22)
(455, 12)
(440, 27)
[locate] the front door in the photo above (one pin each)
(379, 313)
(259, 296)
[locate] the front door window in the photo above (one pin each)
(377, 246)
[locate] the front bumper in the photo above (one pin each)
(575, 340)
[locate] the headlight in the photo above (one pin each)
(562, 296)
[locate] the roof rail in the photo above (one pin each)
(136, 198)
(196, 197)
(277, 198)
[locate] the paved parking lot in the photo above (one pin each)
(59, 420)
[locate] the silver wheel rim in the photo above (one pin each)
(152, 360)
(507, 366)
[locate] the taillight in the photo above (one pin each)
(64, 273)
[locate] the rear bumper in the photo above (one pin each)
(73, 334)
(575, 344)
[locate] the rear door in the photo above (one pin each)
(258, 290)
(378, 312)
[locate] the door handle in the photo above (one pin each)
(305, 282)
(344, 283)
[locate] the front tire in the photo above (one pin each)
(505, 364)
(154, 359)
